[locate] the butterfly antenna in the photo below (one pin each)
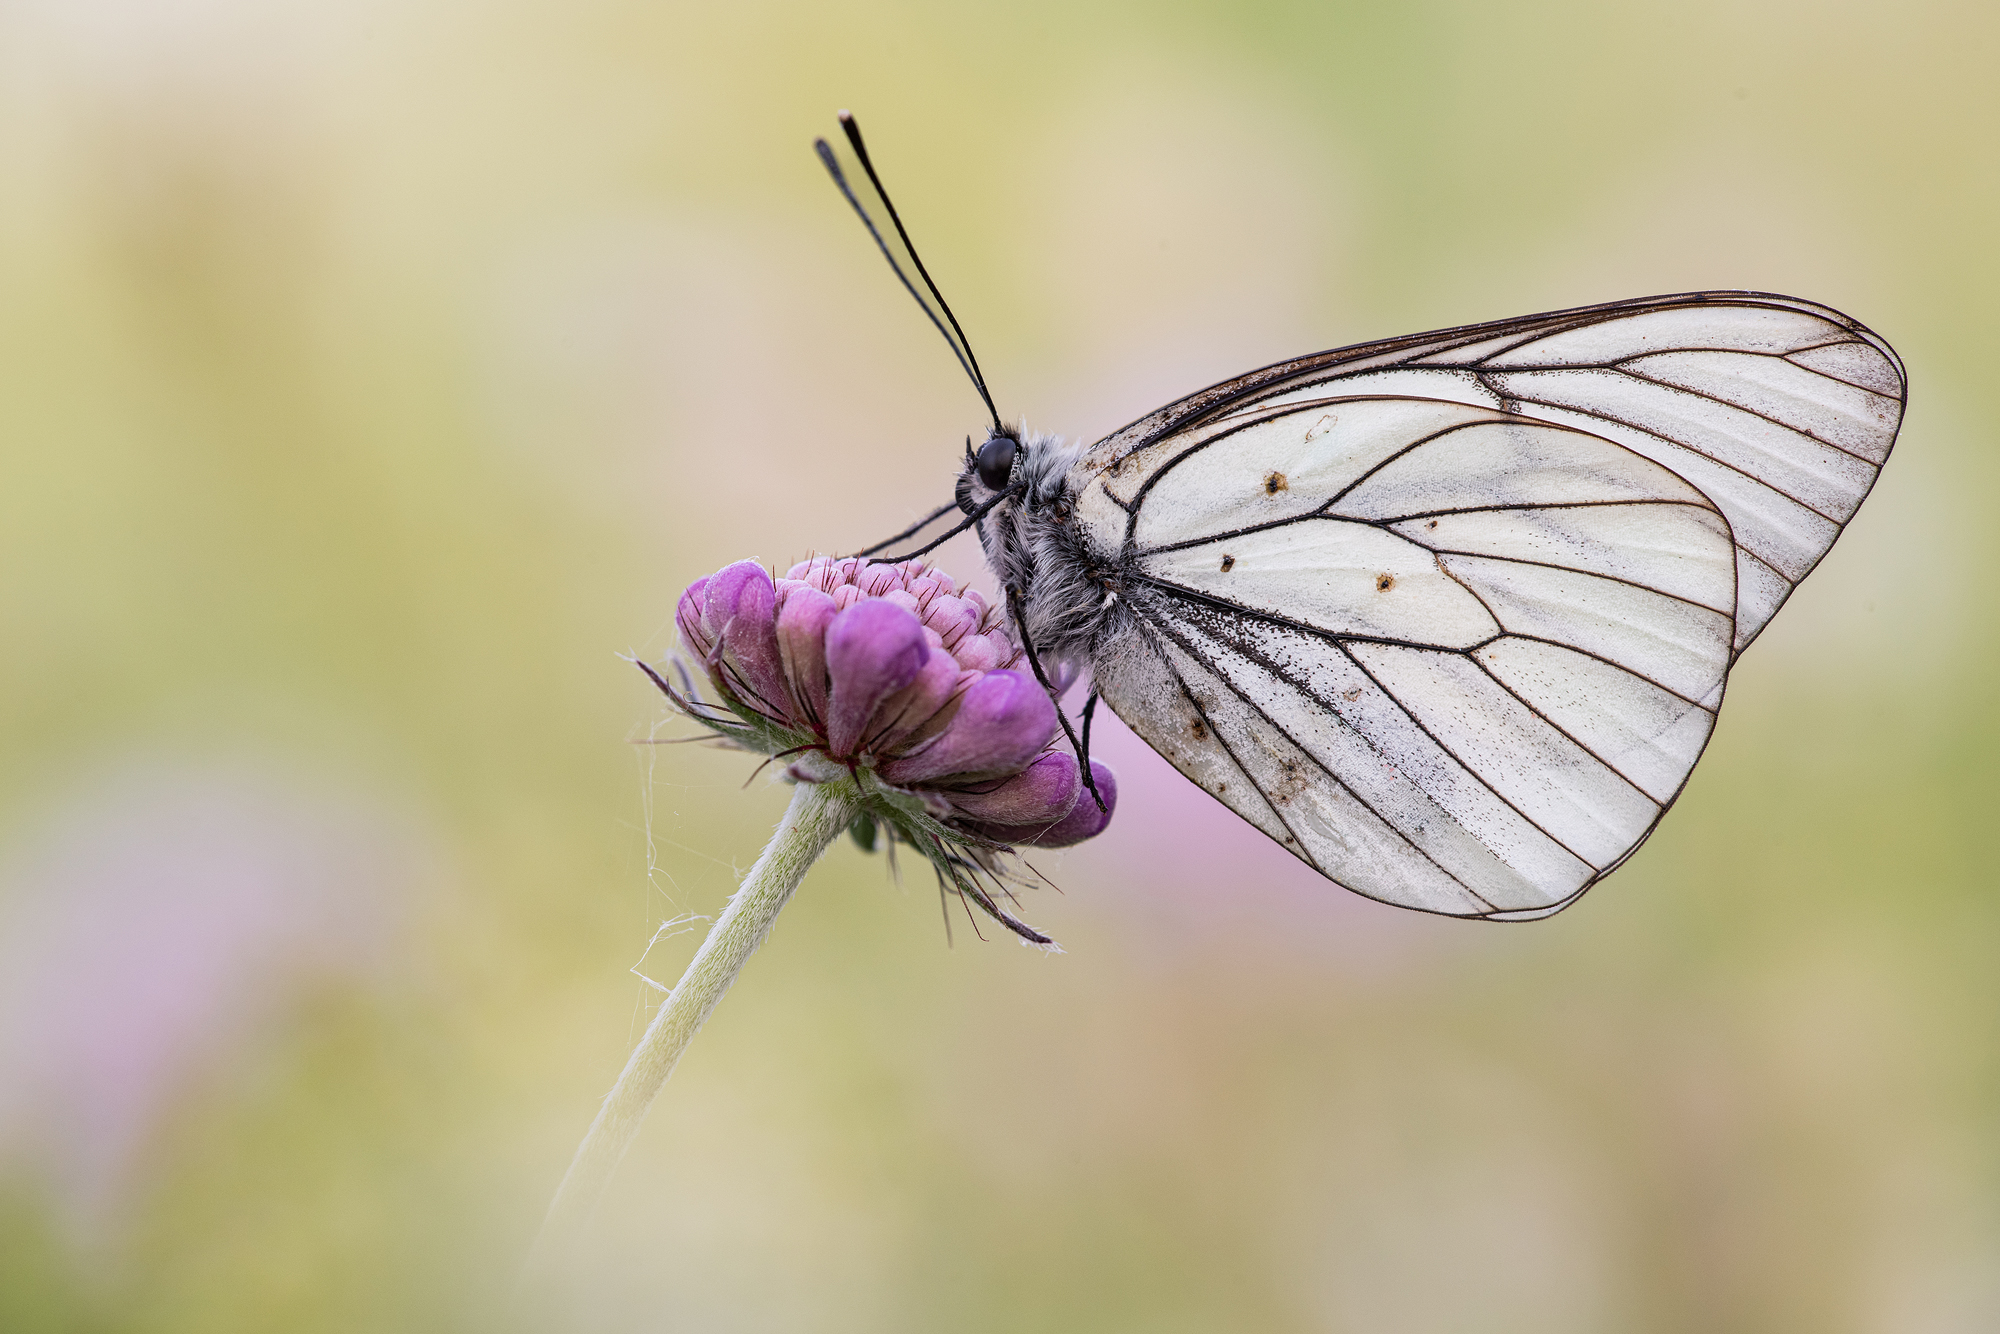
(961, 347)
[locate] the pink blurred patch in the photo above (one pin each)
(152, 926)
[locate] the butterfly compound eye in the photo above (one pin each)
(996, 461)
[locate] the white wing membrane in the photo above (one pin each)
(1450, 617)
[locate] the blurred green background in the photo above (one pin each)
(372, 374)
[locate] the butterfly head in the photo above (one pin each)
(1015, 467)
(993, 471)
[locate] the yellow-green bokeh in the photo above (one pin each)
(372, 374)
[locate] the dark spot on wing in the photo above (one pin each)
(1432, 524)
(1200, 730)
(1384, 582)
(1291, 781)
(1274, 483)
(1228, 562)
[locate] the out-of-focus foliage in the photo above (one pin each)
(371, 374)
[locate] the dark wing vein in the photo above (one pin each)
(1388, 525)
(1337, 638)
(1167, 547)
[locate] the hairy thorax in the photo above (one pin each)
(1069, 593)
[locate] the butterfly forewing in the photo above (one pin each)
(1779, 411)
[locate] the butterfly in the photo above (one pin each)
(1448, 616)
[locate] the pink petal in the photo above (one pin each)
(694, 636)
(741, 602)
(1039, 795)
(1083, 821)
(873, 650)
(904, 715)
(803, 617)
(1002, 722)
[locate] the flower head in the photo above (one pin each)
(896, 679)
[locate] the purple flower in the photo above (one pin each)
(896, 678)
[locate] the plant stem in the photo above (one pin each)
(818, 813)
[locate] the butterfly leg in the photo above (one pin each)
(970, 521)
(911, 531)
(1014, 607)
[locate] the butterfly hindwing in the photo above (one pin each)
(1454, 658)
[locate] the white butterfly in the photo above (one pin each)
(1448, 616)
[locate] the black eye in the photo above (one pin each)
(996, 461)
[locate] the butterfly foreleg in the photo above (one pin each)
(912, 530)
(1016, 607)
(936, 542)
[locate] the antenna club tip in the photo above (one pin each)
(844, 116)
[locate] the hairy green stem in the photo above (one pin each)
(817, 815)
